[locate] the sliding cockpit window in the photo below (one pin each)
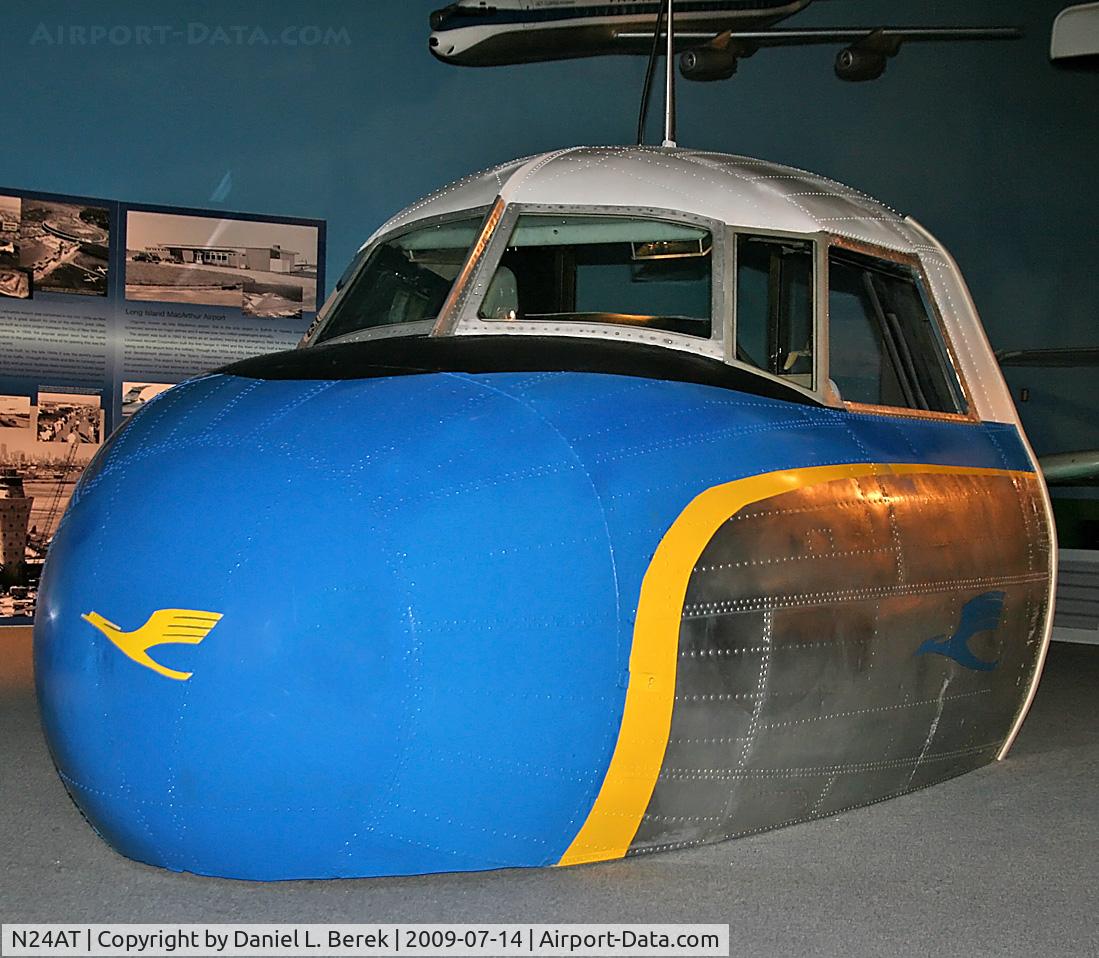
(404, 279)
(609, 269)
(885, 347)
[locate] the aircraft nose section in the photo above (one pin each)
(309, 629)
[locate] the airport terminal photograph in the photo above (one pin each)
(546, 477)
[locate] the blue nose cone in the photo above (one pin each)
(418, 663)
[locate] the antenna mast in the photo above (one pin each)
(669, 82)
(664, 11)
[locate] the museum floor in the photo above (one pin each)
(1004, 861)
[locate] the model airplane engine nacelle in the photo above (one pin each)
(855, 65)
(706, 64)
(865, 60)
(716, 60)
(438, 18)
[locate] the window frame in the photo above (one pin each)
(819, 241)
(951, 366)
(460, 317)
(359, 263)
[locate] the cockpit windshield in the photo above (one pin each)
(406, 278)
(615, 270)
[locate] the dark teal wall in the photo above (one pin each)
(988, 145)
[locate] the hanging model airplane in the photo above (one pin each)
(712, 36)
(620, 499)
(1074, 39)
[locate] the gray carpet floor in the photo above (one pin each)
(1003, 861)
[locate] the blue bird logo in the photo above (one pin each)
(979, 614)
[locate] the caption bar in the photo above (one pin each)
(290, 941)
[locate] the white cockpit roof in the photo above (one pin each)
(737, 190)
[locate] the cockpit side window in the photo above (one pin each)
(885, 349)
(404, 279)
(774, 306)
(616, 270)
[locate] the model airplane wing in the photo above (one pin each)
(1062, 358)
(685, 39)
(1070, 467)
(709, 55)
(1061, 467)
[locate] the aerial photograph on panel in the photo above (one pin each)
(15, 282)
(65, 246)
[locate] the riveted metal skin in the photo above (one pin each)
(800, 687)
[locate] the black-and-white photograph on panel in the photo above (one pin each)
(70, 417)
(136, 395)
(265, 269)
(65, 246)
(16, 282)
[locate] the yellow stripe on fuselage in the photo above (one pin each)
(646, 720)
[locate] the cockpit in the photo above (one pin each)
(846, 323)
(613, 270)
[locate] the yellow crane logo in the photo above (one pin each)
(164, 627)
